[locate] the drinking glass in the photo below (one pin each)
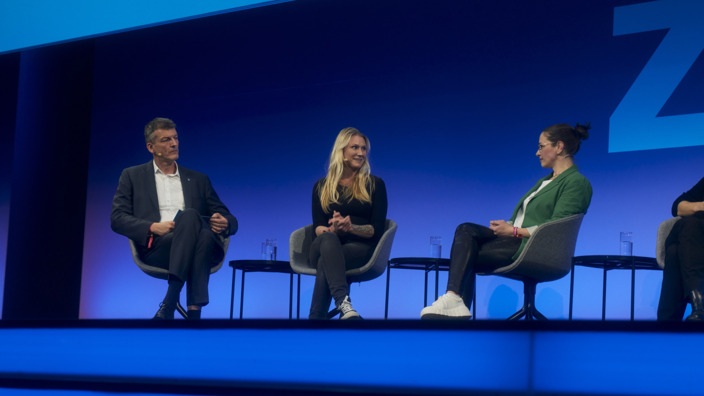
(435, 247)
(269, 250)
(626, 243)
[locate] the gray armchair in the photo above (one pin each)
(299, 247)
(663, 232)
(546, 257)
(161, 273)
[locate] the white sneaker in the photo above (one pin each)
(346, 310)
(447, 306)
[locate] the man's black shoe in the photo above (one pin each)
(165, 312)
(697, 301)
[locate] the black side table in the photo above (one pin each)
(426, 264)
(607, 263)
(283, 267)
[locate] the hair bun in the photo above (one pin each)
(582, 131)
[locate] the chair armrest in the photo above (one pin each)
(664, 230)
(299, 246)
(548, 253)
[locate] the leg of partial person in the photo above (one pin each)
(673, 302)
(691, 256)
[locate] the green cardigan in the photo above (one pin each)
(569, 194)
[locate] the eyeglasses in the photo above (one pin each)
(540, 146)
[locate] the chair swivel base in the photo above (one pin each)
(529, 311)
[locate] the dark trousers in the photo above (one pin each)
(332, 258)
(684, 266)
(188, 253)
(475, 248)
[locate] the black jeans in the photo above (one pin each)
(188, 253)
(332, 258)
(475, 248)
(684, 266)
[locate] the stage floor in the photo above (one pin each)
(364, 357)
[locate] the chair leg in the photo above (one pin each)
(537, 314)
(521, 313)
(180, 310)
(528, 310)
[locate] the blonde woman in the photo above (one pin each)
(349, 214)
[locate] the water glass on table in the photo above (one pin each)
(435, 247)
(626, 243)
(269, 250)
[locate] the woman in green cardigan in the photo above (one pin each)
(476, 248)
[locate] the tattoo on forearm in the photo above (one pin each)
(366, 230)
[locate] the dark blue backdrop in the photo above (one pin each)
(453, 95)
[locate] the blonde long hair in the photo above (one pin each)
(358, 188)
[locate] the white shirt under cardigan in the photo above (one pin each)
(522, 210)
(169, 192)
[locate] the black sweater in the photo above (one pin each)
(360, 213)
(695, 194)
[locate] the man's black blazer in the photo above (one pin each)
(135, 205)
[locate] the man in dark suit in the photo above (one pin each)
(175, 218)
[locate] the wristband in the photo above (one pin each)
(151, 237)
(516, 234)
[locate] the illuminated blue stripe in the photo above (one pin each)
(623, 363)
(30, 23)
(542, 361)
(359, 359)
